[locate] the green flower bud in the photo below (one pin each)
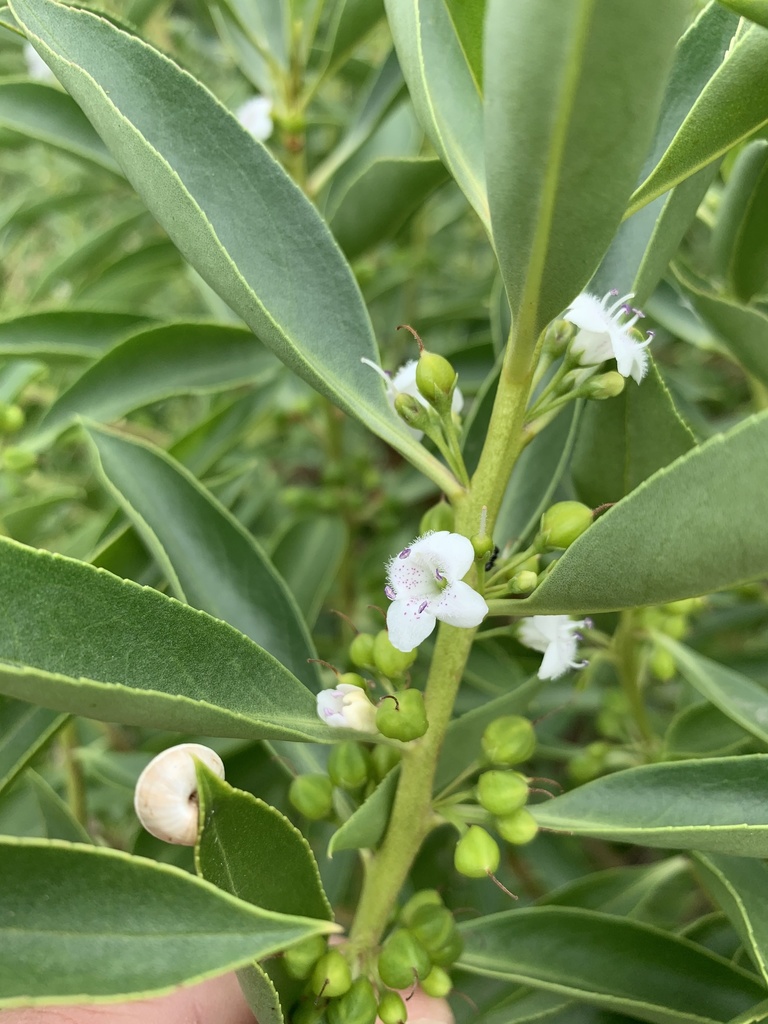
(357, 1006)
(477, 853)
(422, 898)
(518, 828)
(436, 380)
(331, 976)
(307, 1013)
(361, 650)
(558, 336)
(348, 765)
(402, 960)
(412, 411)
(687, 606)
(12, 419)
(404, 717)
(388, 660)
(353, 679)
(509, 740)
(433, 926)
(312, 796)
(675, 626)
(449, 953)
(383, 760)
(532, 564)
(392, 1009)
(299, 960)
(437, 983)
(662, 664)
(18, 460)
(523, 582)
(502, 792)
(589, 763)
(563, 523)
(439, 517)
(606, 385)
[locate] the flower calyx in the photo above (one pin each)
(402, 717)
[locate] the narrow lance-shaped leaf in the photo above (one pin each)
(739, 247)
(24, 732)
(133, 927)
(66, 333)
(228, 206)
(559, 93)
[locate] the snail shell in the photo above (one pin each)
(166, 792)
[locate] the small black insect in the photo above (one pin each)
(492, 560)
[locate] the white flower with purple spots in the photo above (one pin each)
(346, 707)
(557, 637)
(255, 115)
(404, 383)
(424, 585)
(604, 333)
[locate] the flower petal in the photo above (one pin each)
(460, 605)
(554, 664)
(631, 359)
(408, 626)
(587, 312)
(452, 553)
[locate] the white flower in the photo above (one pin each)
(424, 585)
(255, 116)
(37, 69)
(346, 707)
(602, 335)
(404, 383)
(557, 637)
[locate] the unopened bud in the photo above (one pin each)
(662, 665)
(312, 796)
(502, 793)
(422, 898)
(383, 760)
(522, 582)
(449, 953)
(675, 626)
(392, 1009)
(348, 765)
(403, 717)
(518, 828)
(299, 960)
(358, 1005)
(353, 679)
(361, 650)
(439, 517)
(557, 337)
(412, 411)
(606, 385)
(331, 976)
(402, 960)
(11, 419)
(388, 660)
(436, 380)
(433, 926)
(477, 853)
(563, 523)
(509, 740)
(437, 983)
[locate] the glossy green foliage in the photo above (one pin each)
(616, 964)
(133, 926)
(25, 730)
(738, 243)
(713, 805)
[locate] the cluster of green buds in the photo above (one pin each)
(401, 715)
(672, 619)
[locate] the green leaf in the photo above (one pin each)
(559, 92)
(620, 965)
(59, 821)
(468, 17)
(261, 994)
(381, 199)
(623, 441)
(736, 695)
(133, 926)
(212, 561)
(251, 850)
(443, 91)
(46, 114)
(731, 107)
(700, 730)
(690, 527)
(66, 333)
(365, 828)
(308, 556)
(739, 887)
(354, 21)
(78, 639)
(25, 730)
(739, 248)
(716, 804)
(292, 287)
(742, 329)
(755, 10)
(156, 363)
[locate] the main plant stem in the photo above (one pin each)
(412, 816)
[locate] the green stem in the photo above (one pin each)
(625, 649)
(456, 460)
(74, 773)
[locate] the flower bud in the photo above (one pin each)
(563, 523)
(422, 898)
(392, 1009)
(557, 337)
(518, 828)
(308, 1013)
(450, 952)
(348, 765)
(437, 983)
(482, 545)
(523, 582)
(412, 411)
(502, 792)
(312, 796)
(404, 717)
(674, 626)
(353, 679)
(687, 606)
(606, 385)
(433, 926)
(477, 853)
(436, 380)
(383, 760)
(331, 976)
(439, 517)
(11, 418)
(662, 664)
(18, 460)
(388, 660)
(358, 1005)
(361, 650)
(299, 960)
(402, 960)
(509, 740)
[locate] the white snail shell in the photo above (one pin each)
(166, 793)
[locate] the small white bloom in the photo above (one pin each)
(255, 116)
(556, 636)
(346, 707)
(424, 585)
(404, 383)
(602, 334)
(37, 69)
